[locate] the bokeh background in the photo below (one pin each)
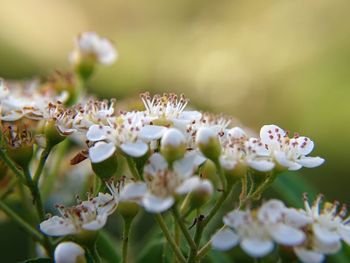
(262, 61)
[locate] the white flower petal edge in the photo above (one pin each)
(136, 149)
(155, 204)
(224, 239)
(308, 256)
(101, 151)
(257, 247)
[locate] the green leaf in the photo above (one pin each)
(37, 260)
(106, 246)
(291, 186)
(154, 252)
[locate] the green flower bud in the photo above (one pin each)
(201, 195)
(208, 143)
(52, 135)
(208, 171)
(128, 210)
(173, 145)
(22, 155)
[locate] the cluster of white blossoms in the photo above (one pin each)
(163, 157)
(312, 232)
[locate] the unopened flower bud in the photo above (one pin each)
(208, 143)
(52, 135)
(208, 171)
(22, 154)
(237, 133)
(69, 252)
(173, 145)
(201, 194)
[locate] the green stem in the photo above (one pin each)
(33, 187)
(262, 187)
(126, 231)
(172, 243)
(203, 251)
(183, 228)
(27, 227)
(94, 253)
(132, 168)
(11, 165)
(9, 189)
(41, 164)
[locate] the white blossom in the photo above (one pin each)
(290, 153)
(89, 215)
(257, 231)
(91, 46)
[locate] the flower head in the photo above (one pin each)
(288, 152)
(88, 215)
(90, 46)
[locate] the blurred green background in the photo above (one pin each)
(262, 61)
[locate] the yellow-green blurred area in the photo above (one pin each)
(263, 61)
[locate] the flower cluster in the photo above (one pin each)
(162, 157)
(312, 232)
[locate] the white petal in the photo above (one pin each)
(12, 116)
(96, 224)
(236, 218)
(133, 191)
(227, 163)
(97, 132)
(304, 144)
(188, 185)
(105, 203)
(155, 204)
(101, 151)
(68, 252)
(325, 235)
(186, 166)
(344, 232)
(296, 218)
(237, 133)
(257, 247)
(308, 256)
(151, 132)
(155, 163)
(191, 115)
(57, 226)
(261, 165)
(173, 137)
(286, 235)
(271, 211)
(224, 239)
(270, 134)
(282, 160)
(136, 149)
(310, 162)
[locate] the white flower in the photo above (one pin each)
(327, 228)
(238, 149)
(25, 100)
(289, 152)
(123, 134)
(167, 110)
(163, 184)
(69, 252)
(173, 137)
(87, 216)
(257, 231)
(90, 45)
